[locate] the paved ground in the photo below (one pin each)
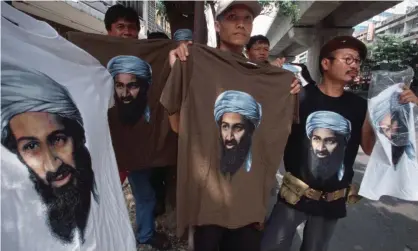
(386, 225)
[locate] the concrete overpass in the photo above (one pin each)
(319, 21)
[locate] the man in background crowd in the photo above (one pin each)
(258, 48)
(121, 21)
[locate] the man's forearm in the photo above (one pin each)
(174, 122)
(368, 138)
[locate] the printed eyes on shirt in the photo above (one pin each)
(330, 141)
(234, 127)
(55, 141)
(130, 86)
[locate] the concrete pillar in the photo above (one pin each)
(145, 15)
(322, 36)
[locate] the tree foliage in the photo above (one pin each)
(288, 8)
(390, 50)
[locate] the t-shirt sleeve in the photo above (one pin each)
(176, 87)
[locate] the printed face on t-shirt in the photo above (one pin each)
(237, 114)
(236, 133)
(235, 25)
(232, 129)
(127, 87)
(123, 28)
(52, 148)
(324, 142)
(395, 130)
(131, 97)
(327, 133)
(44, 145)
(388, 126)
(327, 153)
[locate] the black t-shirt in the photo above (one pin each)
(322, 148)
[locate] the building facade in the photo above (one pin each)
(88, 16)
(150, 21)
(405, 26)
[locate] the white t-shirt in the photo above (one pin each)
(383, 176)
(33, 44)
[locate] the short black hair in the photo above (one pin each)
(257, 39)
(329, 56)
(119, 11)
(157, 35)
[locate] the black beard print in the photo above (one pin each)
(68, 207)
(397, 152)
(324, 168)
(233, 159)
(131, 113)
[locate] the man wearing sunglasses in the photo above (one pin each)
(317, 183)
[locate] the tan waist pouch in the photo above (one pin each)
(292, 189)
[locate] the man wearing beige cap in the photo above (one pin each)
(234, 22)
(233, 25)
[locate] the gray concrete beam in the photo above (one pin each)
(287, 39)
(351, 13)
(311, 13)
(317, 11)
(296, 41)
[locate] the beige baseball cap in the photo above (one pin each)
(223, 5)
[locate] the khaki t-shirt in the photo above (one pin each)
(235, 118)
(145, 144)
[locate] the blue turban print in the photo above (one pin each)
(132, 65)
(183, 35)
(237, 114)
(327, 149)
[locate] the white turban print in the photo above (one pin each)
(132, 65)
(324, 146)
(237, 114)
(386, 105)
(24, 90)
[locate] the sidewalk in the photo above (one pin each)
(386, 225)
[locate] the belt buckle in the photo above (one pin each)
(324, 196)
